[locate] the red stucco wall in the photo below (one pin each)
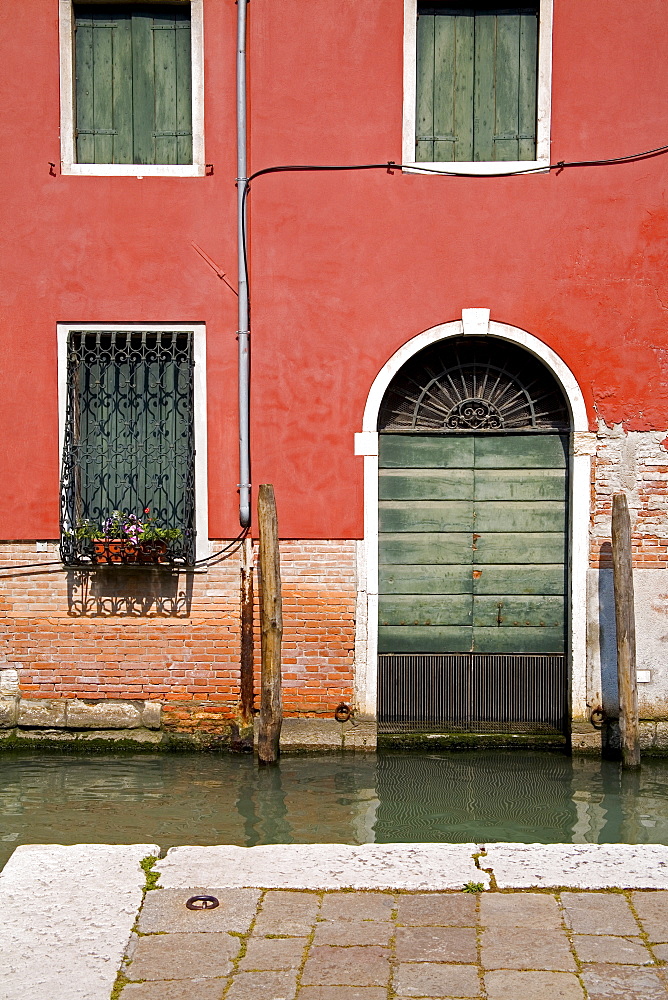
(345, 268)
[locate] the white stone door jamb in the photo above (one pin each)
(474, 322)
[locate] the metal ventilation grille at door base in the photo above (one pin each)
(472, 692)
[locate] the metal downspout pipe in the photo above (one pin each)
(243, 332)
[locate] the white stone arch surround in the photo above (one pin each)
(474, 322)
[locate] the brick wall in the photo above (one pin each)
(637, 464)
(149, 634)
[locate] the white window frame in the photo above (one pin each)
(199, 406)
(544, 103)
(68, 161)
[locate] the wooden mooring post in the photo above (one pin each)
(247, 643)
(622, 571)
(271, 628)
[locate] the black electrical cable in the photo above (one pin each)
(391, 166)
(230, 545)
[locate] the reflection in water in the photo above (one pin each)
(338, 798)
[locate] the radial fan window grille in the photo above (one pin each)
(128, 456)
(473, 384)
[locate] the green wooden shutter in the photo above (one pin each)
(133, 84)
(103, 60)
(476, 83)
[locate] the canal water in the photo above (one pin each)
(479, 796)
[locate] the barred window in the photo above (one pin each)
(128, 469)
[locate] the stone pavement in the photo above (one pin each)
(369, 945)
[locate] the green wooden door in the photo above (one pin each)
(472, 543)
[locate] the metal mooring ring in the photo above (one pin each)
(342, 712)
(597, 717)
(202, 903)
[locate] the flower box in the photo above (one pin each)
(120, 551)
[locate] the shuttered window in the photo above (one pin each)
(476, 82)
(133, 83)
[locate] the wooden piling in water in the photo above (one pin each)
(247, 642)
(271, 627)
(622, 570)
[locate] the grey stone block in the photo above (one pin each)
(647, 735)
(291, 913)
(263, 986)
(520, 909)
(436, 944)
(533, 986)
(361, 734)
(522, 948)
(121, 735)
(46, 735)
(652, 908)
(357, 906)
(586, 742)
(182, 989)
(107, 714)
(277, 954)
(356, 966)
(598, 913)
(151, 714)
(308, 733)
(45, 713)
(9, 710)
(622, 982)
(347, 932)
(183, 956)
(661, 952)
(431, 980)
(165, 911)
(437, 908)
(661, 742)
(9, 682)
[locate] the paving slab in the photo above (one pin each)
(428, 979)
(185, 989)
(354, 966)
(615, 950)
(292, 913)
(342, 993)
(165, 911)
(623, 982)
(357, 906)
(578, 866)
(262, 986)
(436, 944)
(347, 932)
(431, 909)
(278, 954)
(605, 913)
(323, 866)
(533, 986)
(67, 913)
(652, 909)
(523, 948)
(522, 909)
(182, 956)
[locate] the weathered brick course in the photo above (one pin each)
(122, 633)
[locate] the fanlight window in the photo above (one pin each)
(473, 384)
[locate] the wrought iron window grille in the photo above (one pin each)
(128, 458)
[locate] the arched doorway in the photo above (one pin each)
(473, 513)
